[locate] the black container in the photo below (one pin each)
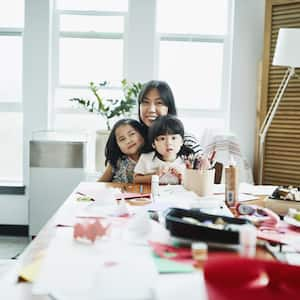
(185, 230)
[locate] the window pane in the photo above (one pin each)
(12, 13)
(86, 121)
(11, 68)
(192, 16)
(85, 60)
(198, 126)
(92, 23)
(198, 80)
(11, 150)
(110, 5)
(62, 96)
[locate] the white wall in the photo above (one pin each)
(246, 53)
(13, 210)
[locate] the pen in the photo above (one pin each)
(211, 159)
(196, 163)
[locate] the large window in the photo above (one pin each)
(90, 48)
(193, 39)
(11, 28)
(185, 43)
(192, 54)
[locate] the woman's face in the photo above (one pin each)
(152, 107)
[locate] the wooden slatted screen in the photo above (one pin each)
(282, 146)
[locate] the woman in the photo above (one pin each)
(156, 99)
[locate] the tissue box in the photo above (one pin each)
(193, 225)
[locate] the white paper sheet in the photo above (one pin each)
(247, 188)
(108, 270)
(246, 197)
(98, 192)
(293, 258)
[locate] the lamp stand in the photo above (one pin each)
(269, 117)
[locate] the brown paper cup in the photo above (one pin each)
(199, 181)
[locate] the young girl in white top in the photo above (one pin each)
(122, 151)
(166, 136)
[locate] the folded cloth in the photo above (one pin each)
(228, 276)
(226, 146)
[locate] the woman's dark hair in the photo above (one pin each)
(165, 92)
(166, 125)
(112, 149)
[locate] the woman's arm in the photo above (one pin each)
(107, 175)
(192, 142)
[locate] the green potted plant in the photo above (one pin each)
(108, 109)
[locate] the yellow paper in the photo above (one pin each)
(29, 273)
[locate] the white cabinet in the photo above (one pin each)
(56, 168)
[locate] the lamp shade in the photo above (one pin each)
(287, 51)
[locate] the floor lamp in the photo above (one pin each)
(287, 53)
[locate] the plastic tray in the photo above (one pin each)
(185, 230)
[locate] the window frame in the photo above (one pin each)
(57, 34)
(222, 112)
(5, 105)
(12, 106)
(226, 39)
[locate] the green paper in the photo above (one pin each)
(164, 265)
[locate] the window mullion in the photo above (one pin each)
(109, 86)
(218, 113)
(91, 35)
(192, 38)
(91, 13)
(11, 33)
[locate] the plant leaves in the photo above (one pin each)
(109, 108)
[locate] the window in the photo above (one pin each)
(192, 57)
(198, 81)
(90, 48)
(11, 29)
(11, 66)
(94, 40)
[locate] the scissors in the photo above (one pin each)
(264, 218)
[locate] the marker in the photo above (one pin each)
(85, 195)
(212, 155)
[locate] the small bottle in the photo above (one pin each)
(154, 187)
(231, 184)
(199, 251)
(247, 240)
